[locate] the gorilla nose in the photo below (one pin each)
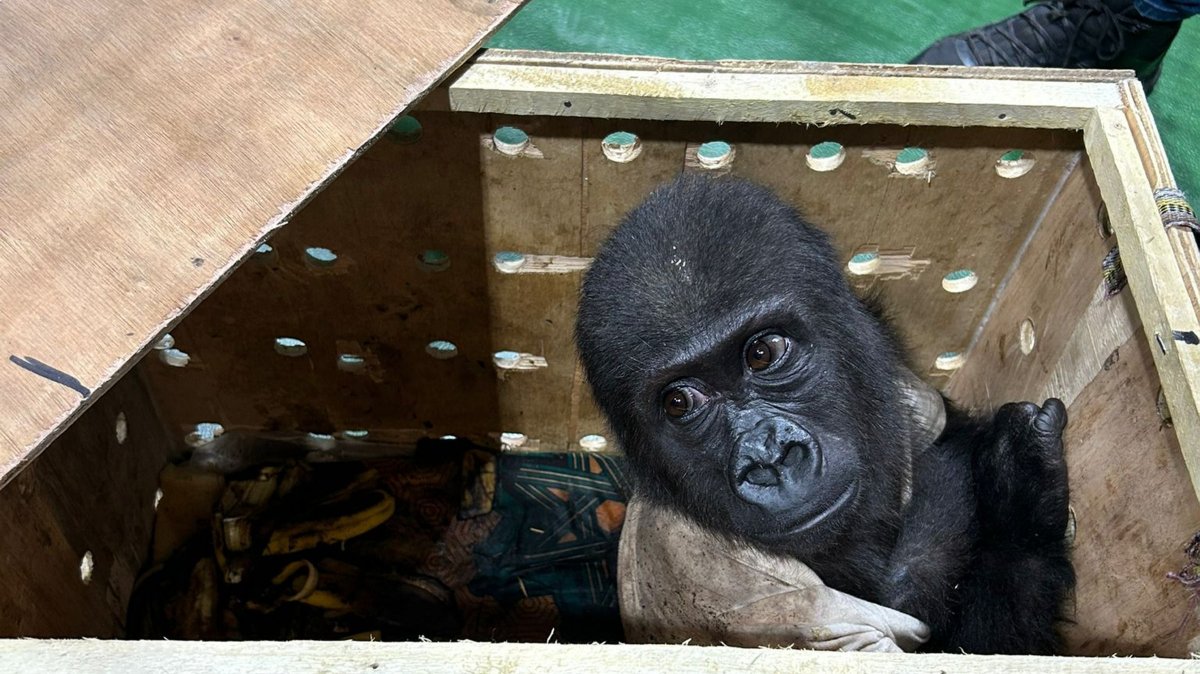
(775, 463)
(762, 475)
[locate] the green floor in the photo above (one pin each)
(881, 31)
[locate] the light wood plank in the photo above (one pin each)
(1157, 283)
(298, 657)
(581, 85)
(148, 147)
(89, 492)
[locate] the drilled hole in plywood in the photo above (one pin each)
(1102, 221)
(621, 146)
(433, 260)
(320, 441)
(317, 256)
(1027, 336)
(204, 433)
(290, 347)
(1015, 163)
(174, 357)
(912, 161)
(508, 261)
(825, 156)
(511, 440)
(509, 140)
(506, 359)
(959, 281)
(862, 264)
(121, 428)
(715, 154)
(950, 360)
(593, 443)
(441, 349)
(351, 362)
(87, 566)
(406, 129)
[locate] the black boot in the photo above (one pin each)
(1108, 34)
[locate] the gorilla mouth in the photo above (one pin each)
(846, 497)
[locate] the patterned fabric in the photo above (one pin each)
(1174, 209)
(556, 542)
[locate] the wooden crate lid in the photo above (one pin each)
(145, 149)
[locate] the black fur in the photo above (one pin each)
(799, 457)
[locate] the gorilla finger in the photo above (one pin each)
(1052, 419)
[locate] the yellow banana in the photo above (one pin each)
(306, 535)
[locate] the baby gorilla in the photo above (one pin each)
(754, 392)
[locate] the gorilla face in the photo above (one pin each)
(747, 384)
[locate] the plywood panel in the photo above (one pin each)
(147, 147)
(1134, 513)
(533, 206)
(89, 492)
(1057, 278)
(376, 301)
(451, 190)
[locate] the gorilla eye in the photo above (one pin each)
(678, 402)
(764, 351)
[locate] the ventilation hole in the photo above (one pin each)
(174, 357)
(433, 260)
(158, 497)
(1027, 337)
(714, 154)
(86, 566)
(290, 347)
(349, 362)
(512, 440)
(165, 342)
(863, 264)
(264, 249)
(1102, 221)
(506, 359)
(950, 360)
(510, 140)
(448, 437)
(508, 261)
(1015, 163)
(1002, 115)
(121, 428)
(205, 433)
(320, 257)
(321, 441)
(1163, 409)
(825, 156)
(593, 443)
(357, 434)
(621, 146)
(405, 130)
(441, 349)
(959, 281)
(912, 161)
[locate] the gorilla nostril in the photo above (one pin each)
(793, 454)
(761, 475)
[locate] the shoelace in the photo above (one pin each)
(1115, 25)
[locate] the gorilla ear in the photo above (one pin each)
(928, 416)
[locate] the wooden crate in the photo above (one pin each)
(217, 257)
